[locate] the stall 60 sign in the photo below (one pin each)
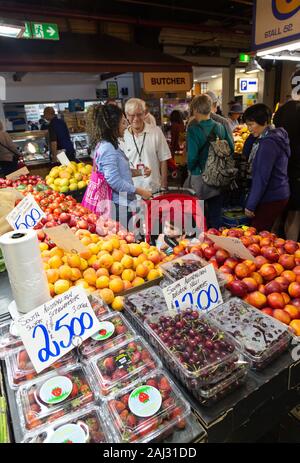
(296, 350)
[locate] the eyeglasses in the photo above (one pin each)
(137, 115)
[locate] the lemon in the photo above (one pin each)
(73, 186)
(78, 176)
(64, 189)
(64, 182)
(81, 184)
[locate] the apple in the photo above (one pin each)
(287, 261)
(291, 246)
(282, 316)
(209, 252)
(82, 224)
(257, 299)
(268, 272)
(273, 287)
(221, 255)
(64, 217)
(242, 271)
(213, 231)
(238, 288)
(270, 253)
(294, 289)
(154, 257)
(251, 284)
(276, 301)
(254, 249)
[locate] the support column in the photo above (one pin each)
(228, 81)
(269, 89)
(137, 83)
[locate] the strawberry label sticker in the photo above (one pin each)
(145, 401)
(56, 390)
(105, 331)
(68, 434)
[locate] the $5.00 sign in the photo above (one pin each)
(26, 214)
(200, 290)
(53, 329)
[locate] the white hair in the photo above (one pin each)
(133, 104)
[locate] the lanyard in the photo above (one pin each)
(139, 151)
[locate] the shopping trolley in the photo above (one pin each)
(175, 204)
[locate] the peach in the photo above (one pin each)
(90, 276)
(52, 275)
(117, 255)
(102, 282)
(260, 261)
(127, 284)
(257, 277)
(231, 262)
(141, 270)
(56, 252)
(294, 289)
(293, 311)
(83, 264)
(135, 249)
(51, 289)
(268, 311)
(257, 299)
(61, 286)
(287, 261)
(295, 325)
(76, 274)
(276, 301)
(138, 281)
(118, 303)
(106, 261)
(127, 262)
(65, 272)
(153, 274)
(283, 282)
(154, 256)
(107, 246)
(268, 272)
(116, 285)
(149, 264)
(282, 316)
(55, 262)
(279, 268)
(289, 275)
(226, 269)
(128, 274)
(116, 268)
(73, 260)
(242, 271)
(254, 249)
(107, 295)
(251, 284)
(86, 254)
(286, 298)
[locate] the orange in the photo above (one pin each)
(117, 255)
(295, 324)
(118, 303)
(90, 276)
(107, 295)
(73, 260)
(102, 282)
(76, 274)
(116, 285)
(128, 275)
(56, 252)
(102, 272)
(65, 272)
(141, 271)
(116, 268)
(55, 262)
(153, 274)
(106, 261)
(135, 249)
(138, 281)
(127, 262)
(61, 286)
(43, 246)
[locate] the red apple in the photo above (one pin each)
(270, 253)
(282, 316)
(276, 301)
(273, 287)
(209, 252)
(287, 261)
(64, 217)
(221, 256)
(238, 288)
(291, 246)
(294, 289)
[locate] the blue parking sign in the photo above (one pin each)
(244, 85)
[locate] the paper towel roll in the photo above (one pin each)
(24, 264)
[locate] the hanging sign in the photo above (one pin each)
(171, 82)
(233, 245)
(65, 239)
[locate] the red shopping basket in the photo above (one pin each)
(180, 205)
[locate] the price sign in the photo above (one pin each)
(233, 245)
(63, 159)
(53, 329)
(17, 173)
(200, 290)
(65, 239)
(26, 214)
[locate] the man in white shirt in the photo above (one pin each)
(145, 146)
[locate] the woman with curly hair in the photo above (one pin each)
(105, 125)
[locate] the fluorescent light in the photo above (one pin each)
(195, 80)
(283, 57)
(289, 46)
(214, 77)
(253, 67)
(12, 31)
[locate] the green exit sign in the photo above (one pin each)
(244, 58)
(43, 31)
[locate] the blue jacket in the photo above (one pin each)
(269, 169)
(115, 167)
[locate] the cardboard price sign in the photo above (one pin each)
(17, 173)
(26, 214)
(63, 159)
(233, 245)
(65, 239)
(200, 290)
(53, 329)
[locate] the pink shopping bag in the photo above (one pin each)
(98, 195)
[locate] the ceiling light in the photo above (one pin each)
(284, 56)
(253, 67)
(195, 80)
(11, 30)
(286, 47)
(214, 77)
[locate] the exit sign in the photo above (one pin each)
(43, 31)
(244, 58)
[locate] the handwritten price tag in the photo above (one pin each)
(233, 245)
(65, 239)
(63, 159)
(200, 290)
(26, 214)
(53, 329)
(17, 173)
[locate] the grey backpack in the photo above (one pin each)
(220, 170)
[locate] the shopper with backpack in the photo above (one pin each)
(268, 152)
(210, 164)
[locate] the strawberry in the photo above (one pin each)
(56, 391)
(131, 420)
(125, 399)
(74, 391)
(146, 426)
(164, 384)
(84, 388)
(168, 403)
(119, 406)
(135, 357)
(109, 364)
(119, 374)
(121, 329)
(180, 421)
(131, 346)
(145, 355)
(165, 394)
(123, 415)
(152, 382)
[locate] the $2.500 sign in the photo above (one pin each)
(54, 329)
(26, 214)
(200, 290)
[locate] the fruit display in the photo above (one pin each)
(73, 177)
(9, 341)
(53, 396)
(20, 369)
(109, 264)
(193, 347)
(261, 337)
(114, 330)
(122, 365)
(37, 182)
(85, 427)
(240, 135)
(99, 307)
(147, 410)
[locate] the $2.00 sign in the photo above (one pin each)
(26, 214)
(200, 289)
(51, 330)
